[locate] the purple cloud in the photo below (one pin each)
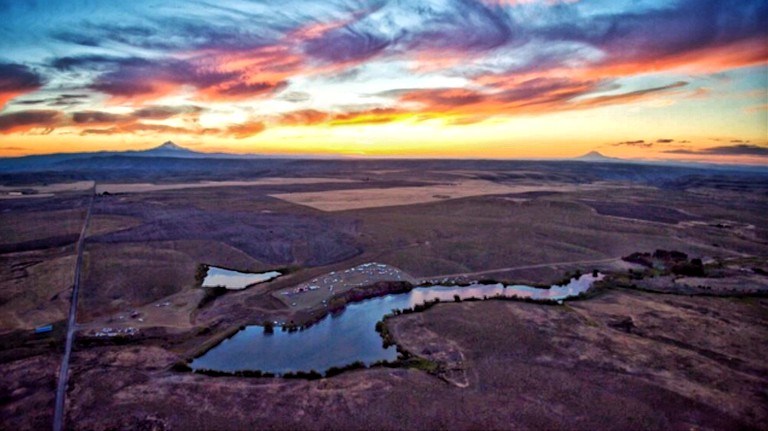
(17, 79)
(26, 120)
(727, 150)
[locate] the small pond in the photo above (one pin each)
(235, 280)
(350, 336)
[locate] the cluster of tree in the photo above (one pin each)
(211, 293)
(361, 293)
(694, 268)
(335, 371)
(674, 262)
(308, 375)
(201, 273)
(269, 327)
(386, 336)
(238, 373)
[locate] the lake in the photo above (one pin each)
(235, 280)
(350, 336)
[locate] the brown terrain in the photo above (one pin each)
(661, 344)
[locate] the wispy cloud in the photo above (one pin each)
(22, 121)
(726, 150)
(636, 143)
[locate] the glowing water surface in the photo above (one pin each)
(350, 336)
(235, 280)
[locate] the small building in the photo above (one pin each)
(43, 329)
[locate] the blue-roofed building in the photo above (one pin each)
(43, 329)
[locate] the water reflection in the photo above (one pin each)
(339, 340)
(235, 280)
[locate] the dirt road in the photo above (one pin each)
(58, 414)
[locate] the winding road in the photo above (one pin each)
(61, 389)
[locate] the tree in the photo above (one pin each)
(269, 327)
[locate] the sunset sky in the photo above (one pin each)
(649, 79)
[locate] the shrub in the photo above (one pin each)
(181, 367)
(211, 293)
(269, 327)
(689, 269)
(200, 273)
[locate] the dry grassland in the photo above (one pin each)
(34, 289)
(22, 227)
(47, 189)
(343, 200)
(148, 187)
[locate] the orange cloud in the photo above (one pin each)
(245, 130)
(709, 59)
(303, 117)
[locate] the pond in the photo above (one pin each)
(235, 280)
(339, 340)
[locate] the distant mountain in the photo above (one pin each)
(594, 156)
(169, 149)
